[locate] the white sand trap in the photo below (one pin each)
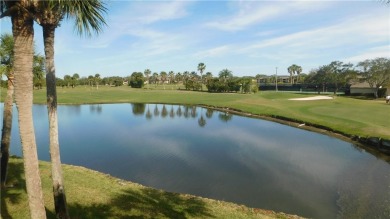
(314, 98)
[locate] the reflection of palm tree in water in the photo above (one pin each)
(156, 111)
(193, 112)
(172, 112)
(164, 111)
(186, 111)
(148, 114)
(179, 112)
(225, 116)
(138, 108)
(201, 120)
(96, 108)
(209, 113)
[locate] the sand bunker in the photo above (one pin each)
(314, 98)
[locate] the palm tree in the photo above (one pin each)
(147, 72)
(294, 69)
(163, 76)
(23, 32)
(201, 68)
(97, 80)
(171, 75)
(88, 16)
(208, 77)
(225, 74)
(298, 71)
(7, 57)
(290, 70)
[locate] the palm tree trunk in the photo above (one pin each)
(7, 127)
(56, 170)
(23, 32)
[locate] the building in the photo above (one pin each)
(284, 79)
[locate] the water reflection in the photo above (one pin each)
(186, 111)
(96, 108)
(244, 160)
(138, 109)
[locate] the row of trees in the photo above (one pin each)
(376, 72)
(336, 75)
(225, 82)
(48, 14)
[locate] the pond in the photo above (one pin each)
(218, 155)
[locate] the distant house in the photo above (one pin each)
(363, 88)
(271, 79)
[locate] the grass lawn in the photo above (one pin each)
(347, 115)
(93, 195)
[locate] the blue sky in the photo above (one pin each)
(246, 37)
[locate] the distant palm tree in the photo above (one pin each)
(294, 69)
(225, 74)
(97, 80)
(201, 68)
(186, 76)
(290, 70)
(298, 71)
(171, 76)
(147, 72)
(208, 76)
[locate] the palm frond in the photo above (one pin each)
(88, 15)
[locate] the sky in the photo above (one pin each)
(246, 37)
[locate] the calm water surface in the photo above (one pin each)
(217, 155)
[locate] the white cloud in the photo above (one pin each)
(253, 12)
(213, 52)
(352, 33)
(375, 52)
(135, 20)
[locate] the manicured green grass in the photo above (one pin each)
(93, 195)
(351, 116)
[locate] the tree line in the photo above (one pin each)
(224, 82)
(339, 75)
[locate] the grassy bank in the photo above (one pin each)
(351, 116)
(95, 195)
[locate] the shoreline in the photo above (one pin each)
(371, 144)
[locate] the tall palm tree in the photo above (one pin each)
(7, 57)
(298, 70)
(290, 70)
(171, 75)
(23, 32)
(147, 72)
(97, 80)
(201, 68)
(88, 17)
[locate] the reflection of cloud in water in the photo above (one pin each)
(308, 158)
(296, 169)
